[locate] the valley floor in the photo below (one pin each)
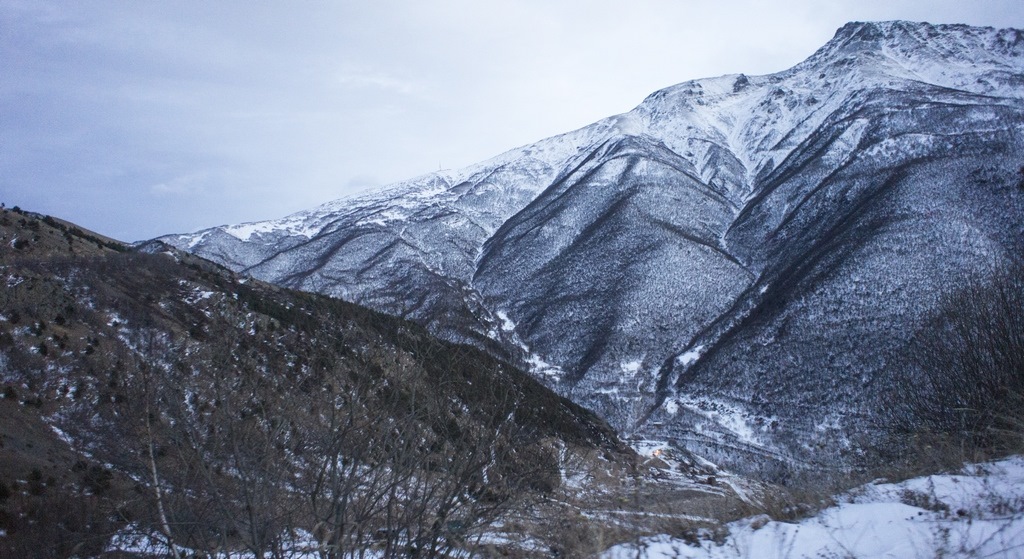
(977, 512)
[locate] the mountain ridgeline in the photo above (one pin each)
(738, 265)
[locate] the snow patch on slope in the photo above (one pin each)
(744, 425)
(690, 356)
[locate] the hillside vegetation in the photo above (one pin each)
(152, 399)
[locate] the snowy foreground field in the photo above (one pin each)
(978, 512)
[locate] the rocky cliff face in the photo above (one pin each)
(737, 265)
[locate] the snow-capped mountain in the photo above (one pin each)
(735, 265)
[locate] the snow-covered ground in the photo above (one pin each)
(978, 512)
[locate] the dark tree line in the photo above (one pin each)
(969, 364)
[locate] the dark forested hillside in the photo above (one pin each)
(154, 395)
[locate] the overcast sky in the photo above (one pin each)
(136, 119)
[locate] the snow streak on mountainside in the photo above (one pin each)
(735, 265)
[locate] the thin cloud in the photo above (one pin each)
(378, 80)
(186, 185)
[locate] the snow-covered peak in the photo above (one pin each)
(925, 39)
(743, 118)
(949, 56)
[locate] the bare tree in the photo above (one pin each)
(970, 357)
(393, 474)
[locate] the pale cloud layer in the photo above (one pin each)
(142, 118)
